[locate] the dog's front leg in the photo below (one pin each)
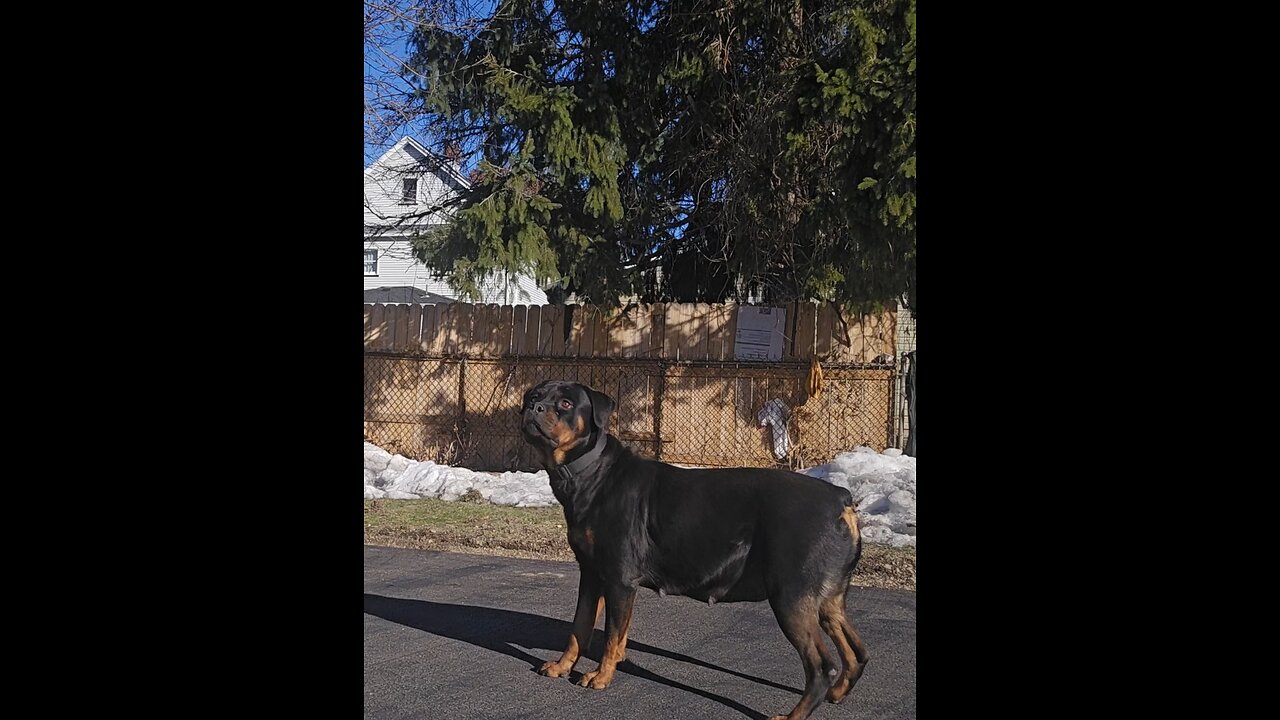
(618, 602)
(585, 618)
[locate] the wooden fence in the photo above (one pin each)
(671, 331)
(444, 382)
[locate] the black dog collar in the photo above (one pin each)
(570, 470)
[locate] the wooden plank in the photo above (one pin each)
(496, 328)
(891, 332)
(600, 348)
(696, 331)
(441, 345)
(584, 331)
(574, 313)
(532, 322)
(519, 315)
(632, 338)
(400, 326)
(806, 323)
(858, 338)
(675, 343)
(617, 328)
(730, 331)
(717, 322)
(714, 324)
(413, 342)
(368, 324)
(493, 331)
(505, 327)
(428, 334)
(483, 329)
(389, 328)
(469, 318)
(825, 329)
(381, 331)
(587, 335)
(658, 329)
(489, 339)
(551, 331)
(789, 335)
(461, 333)
(406, 330)
(388, 339)
(563, 330)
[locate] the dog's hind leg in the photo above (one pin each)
(853, 653)
(798, 619)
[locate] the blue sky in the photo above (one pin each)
(395, 42)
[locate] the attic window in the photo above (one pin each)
(410, 193)
(371, 261)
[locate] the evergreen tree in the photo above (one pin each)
(680, 149)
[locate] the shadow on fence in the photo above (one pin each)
(464, 411)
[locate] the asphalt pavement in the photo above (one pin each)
(461, 636)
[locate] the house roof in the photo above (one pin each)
(404, 294)
(440, 163)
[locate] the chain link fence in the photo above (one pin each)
(465, 412)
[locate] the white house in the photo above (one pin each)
(404, 191)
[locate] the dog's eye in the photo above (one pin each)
(566, 404)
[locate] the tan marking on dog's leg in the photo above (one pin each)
(618, 606)
(584, 622)
(798, 619)
(853, 654)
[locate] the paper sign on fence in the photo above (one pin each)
(759, 335)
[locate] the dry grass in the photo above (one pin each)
(539, 533)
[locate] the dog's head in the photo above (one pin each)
(558, 415)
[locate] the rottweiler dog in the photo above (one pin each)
(715, 535)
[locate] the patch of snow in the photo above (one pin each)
(884, 487)
(882, 484)
(397, 477)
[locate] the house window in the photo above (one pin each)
(410, 192)
(371, 262)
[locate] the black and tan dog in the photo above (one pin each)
(721, 535)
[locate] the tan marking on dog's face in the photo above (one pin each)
(567, 437)
(556, 419)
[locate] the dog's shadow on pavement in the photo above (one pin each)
(503, 630)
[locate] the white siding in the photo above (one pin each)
(397, 268)
(383, 183)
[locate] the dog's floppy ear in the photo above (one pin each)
(601, 408)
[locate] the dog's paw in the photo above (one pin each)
(839, 691)
(552, 668)
(595, 680)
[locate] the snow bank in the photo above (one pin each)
(883, 484)
(398, 478)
